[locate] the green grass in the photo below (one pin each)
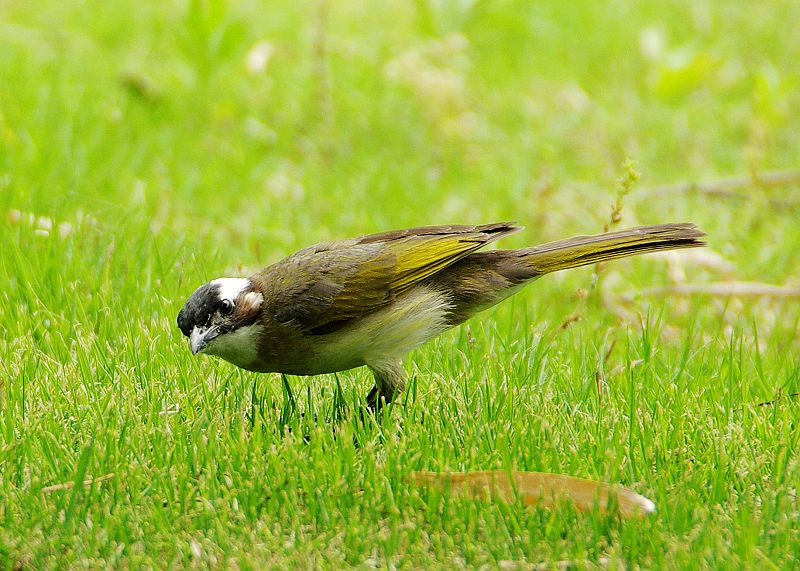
(139, 124)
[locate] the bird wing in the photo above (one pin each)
(324, 287)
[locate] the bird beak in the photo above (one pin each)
(200, 338)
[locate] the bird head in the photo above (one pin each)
(221, 318)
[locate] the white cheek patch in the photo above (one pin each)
(230, 288)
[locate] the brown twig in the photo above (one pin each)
(722, 289)
(734, 186)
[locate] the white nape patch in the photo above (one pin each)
(239, 347)
(230, 288)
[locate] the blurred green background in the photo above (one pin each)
(147, 147)
(255, 127)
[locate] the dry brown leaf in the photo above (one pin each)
(539, 489)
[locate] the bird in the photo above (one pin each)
(369, 301)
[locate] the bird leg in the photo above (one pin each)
(390, 380)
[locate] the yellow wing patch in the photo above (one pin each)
(421, 256)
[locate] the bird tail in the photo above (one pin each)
(584, 250)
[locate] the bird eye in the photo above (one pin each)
(226, 308)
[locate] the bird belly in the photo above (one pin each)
(385, 335)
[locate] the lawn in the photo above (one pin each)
(148, 147)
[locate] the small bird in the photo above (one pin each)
(370, 300)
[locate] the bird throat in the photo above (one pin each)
(239, 347)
